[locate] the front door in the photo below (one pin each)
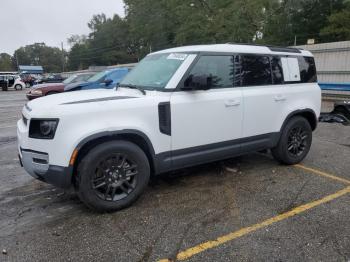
(207, 124)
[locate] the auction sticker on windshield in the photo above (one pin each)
(177, 56)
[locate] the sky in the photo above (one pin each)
(25, 22)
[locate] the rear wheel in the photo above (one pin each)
(295, 141)
(112, 176)
(18, 87)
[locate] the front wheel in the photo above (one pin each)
(112, 176)
(294, 143)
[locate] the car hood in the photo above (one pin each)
(46, 105)
(48, 85)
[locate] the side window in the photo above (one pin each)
(220, 68)
(256, 70)
(277, 71)
(307, 69)
(2, 78)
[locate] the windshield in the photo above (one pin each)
(69, 79)
(97, 77)
(154, 71)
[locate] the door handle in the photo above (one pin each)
(232, 102)
(280, 98)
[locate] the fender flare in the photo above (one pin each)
(301, 112)
(90, 138)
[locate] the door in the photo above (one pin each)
(206, 125)
(11, 81)
(264, 99)
(3, 83)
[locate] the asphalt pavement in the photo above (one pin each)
(248, 208)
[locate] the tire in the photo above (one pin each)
(294, 143)
(18, 87)
(105, 168)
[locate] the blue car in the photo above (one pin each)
(106, 79)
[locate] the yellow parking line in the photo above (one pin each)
(320, 173)
(186, 254)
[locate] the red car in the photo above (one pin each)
(54, 88)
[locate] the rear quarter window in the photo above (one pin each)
(307, 69)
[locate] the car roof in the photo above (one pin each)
(239, 48)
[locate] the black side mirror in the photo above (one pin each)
(108, 82)
(201, 82)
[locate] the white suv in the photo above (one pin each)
(177, 108)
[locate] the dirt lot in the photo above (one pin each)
(244, 209)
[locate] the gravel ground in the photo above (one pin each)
(181, 210)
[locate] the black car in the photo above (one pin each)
(55, 78)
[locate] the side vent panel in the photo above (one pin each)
(164, 114)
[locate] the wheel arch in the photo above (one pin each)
(308, 114)
(134, 136)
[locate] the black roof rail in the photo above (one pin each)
(273, 48)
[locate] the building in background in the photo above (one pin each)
(25, 69)
(333, 64)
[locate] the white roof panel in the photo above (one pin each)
(231, 48)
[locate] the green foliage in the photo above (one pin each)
(338, 28)
(50, 58)
(6, 62)
(151, 25)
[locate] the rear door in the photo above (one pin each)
(11, 81)
(263, 98)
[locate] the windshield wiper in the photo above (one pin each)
(133, 87)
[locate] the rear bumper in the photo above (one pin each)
(37, 165)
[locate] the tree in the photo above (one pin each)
(6, 62)
(338, 28)
(40, 54)
(109, 43)
(302, 19)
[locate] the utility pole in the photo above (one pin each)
(62, 57)
(17, 61)
(295, 40)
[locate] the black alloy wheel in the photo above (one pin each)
(295, 141)
(115, 177)
(112, 175)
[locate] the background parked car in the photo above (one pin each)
(105, 79)
(28, 79)
(55, 78)
(11, 81)
(54, 88)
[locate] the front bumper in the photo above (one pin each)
(32, 96)
(37, 165)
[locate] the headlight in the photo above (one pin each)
(37, 92)
(43, 128)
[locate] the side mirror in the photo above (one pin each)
(201, 82)
(108, 82)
